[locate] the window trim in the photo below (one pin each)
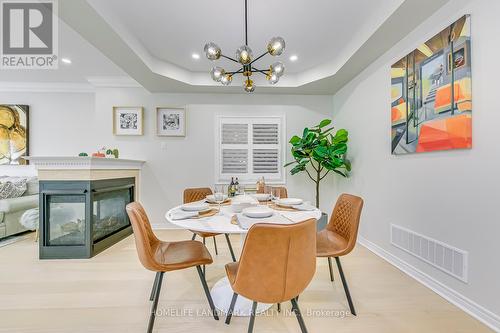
(252, 178)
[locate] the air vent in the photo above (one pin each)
(440, 255)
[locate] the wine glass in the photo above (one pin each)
(276, 194)
(268, 190)
(219, 191)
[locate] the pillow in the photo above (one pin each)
(11, 189)
(32, 186)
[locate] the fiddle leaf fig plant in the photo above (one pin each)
(320, 151)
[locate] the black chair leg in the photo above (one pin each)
(331, 269)
(346, 288)
(279, 307)
(155, 285)
(207, 292)
(231, 308)
(155, 303)
(204, 265)
(215, 245)
(252, 317)
(298, 314)
(194, 236)
(230, 247)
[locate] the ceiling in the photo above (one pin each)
(86, 62)
(150, 43)
(318, 32)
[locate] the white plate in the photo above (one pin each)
(211, 198)
(258, 212)
(261, 196)
(195, 206)
(289, 202)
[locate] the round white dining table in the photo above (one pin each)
(222, 292)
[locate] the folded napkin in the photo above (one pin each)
(246, 222)
(179, 214)
(305, 206)
(299, 216)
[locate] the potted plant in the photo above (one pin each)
(318, 152)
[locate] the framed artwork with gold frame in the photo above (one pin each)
(170, 121)
(14, 134)
(128, 120)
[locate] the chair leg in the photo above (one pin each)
(194, 236)
(331, 269)
(204, 271)
(231, 308)
(155, 285)
(298, 314)
(215, 245)
(346, 288)
(279, 307)
(252, 317)
(155, 303)
(230, 247)
(207, 292)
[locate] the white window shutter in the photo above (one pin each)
(265, 161)
(265, 134)
(249, 148)
(234, 161)
(234, 134)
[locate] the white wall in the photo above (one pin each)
(189, 162)
(60, 124)
(69, 123)
(451, 196)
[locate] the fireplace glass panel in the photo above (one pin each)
(109, 212)
(66, 220)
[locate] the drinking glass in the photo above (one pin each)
(269, 191)
(276, 194)
(219, 191)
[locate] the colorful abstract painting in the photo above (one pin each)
(14, 132)
(431, 95)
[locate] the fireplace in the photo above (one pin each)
(84, 217)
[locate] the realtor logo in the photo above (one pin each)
(29, 34)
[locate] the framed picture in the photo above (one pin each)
(14, 133)
(128, 120)
(170, 121)
(431, 94)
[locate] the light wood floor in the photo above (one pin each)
(110, 292)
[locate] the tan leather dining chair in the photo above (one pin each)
(283, 191)
(197, 194)
(277, 263)
(339, 236)
(161, 257)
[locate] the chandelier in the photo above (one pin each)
(244, 57)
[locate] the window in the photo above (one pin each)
(250, 148)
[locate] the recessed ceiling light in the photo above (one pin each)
(66, 60)
(294, 57)
(195, 56)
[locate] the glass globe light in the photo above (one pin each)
(276, 46)
(212, 51)
(273, 78)
(249, 86)
(226, 79)
(216, 73)
(244, 54)
(278, 68)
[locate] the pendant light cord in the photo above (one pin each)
(246, 24)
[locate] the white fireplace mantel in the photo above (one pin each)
(83, 163)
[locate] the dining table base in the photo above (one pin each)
(222, 293)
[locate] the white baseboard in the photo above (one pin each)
(477, 311)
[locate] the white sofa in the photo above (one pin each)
(11, 209)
